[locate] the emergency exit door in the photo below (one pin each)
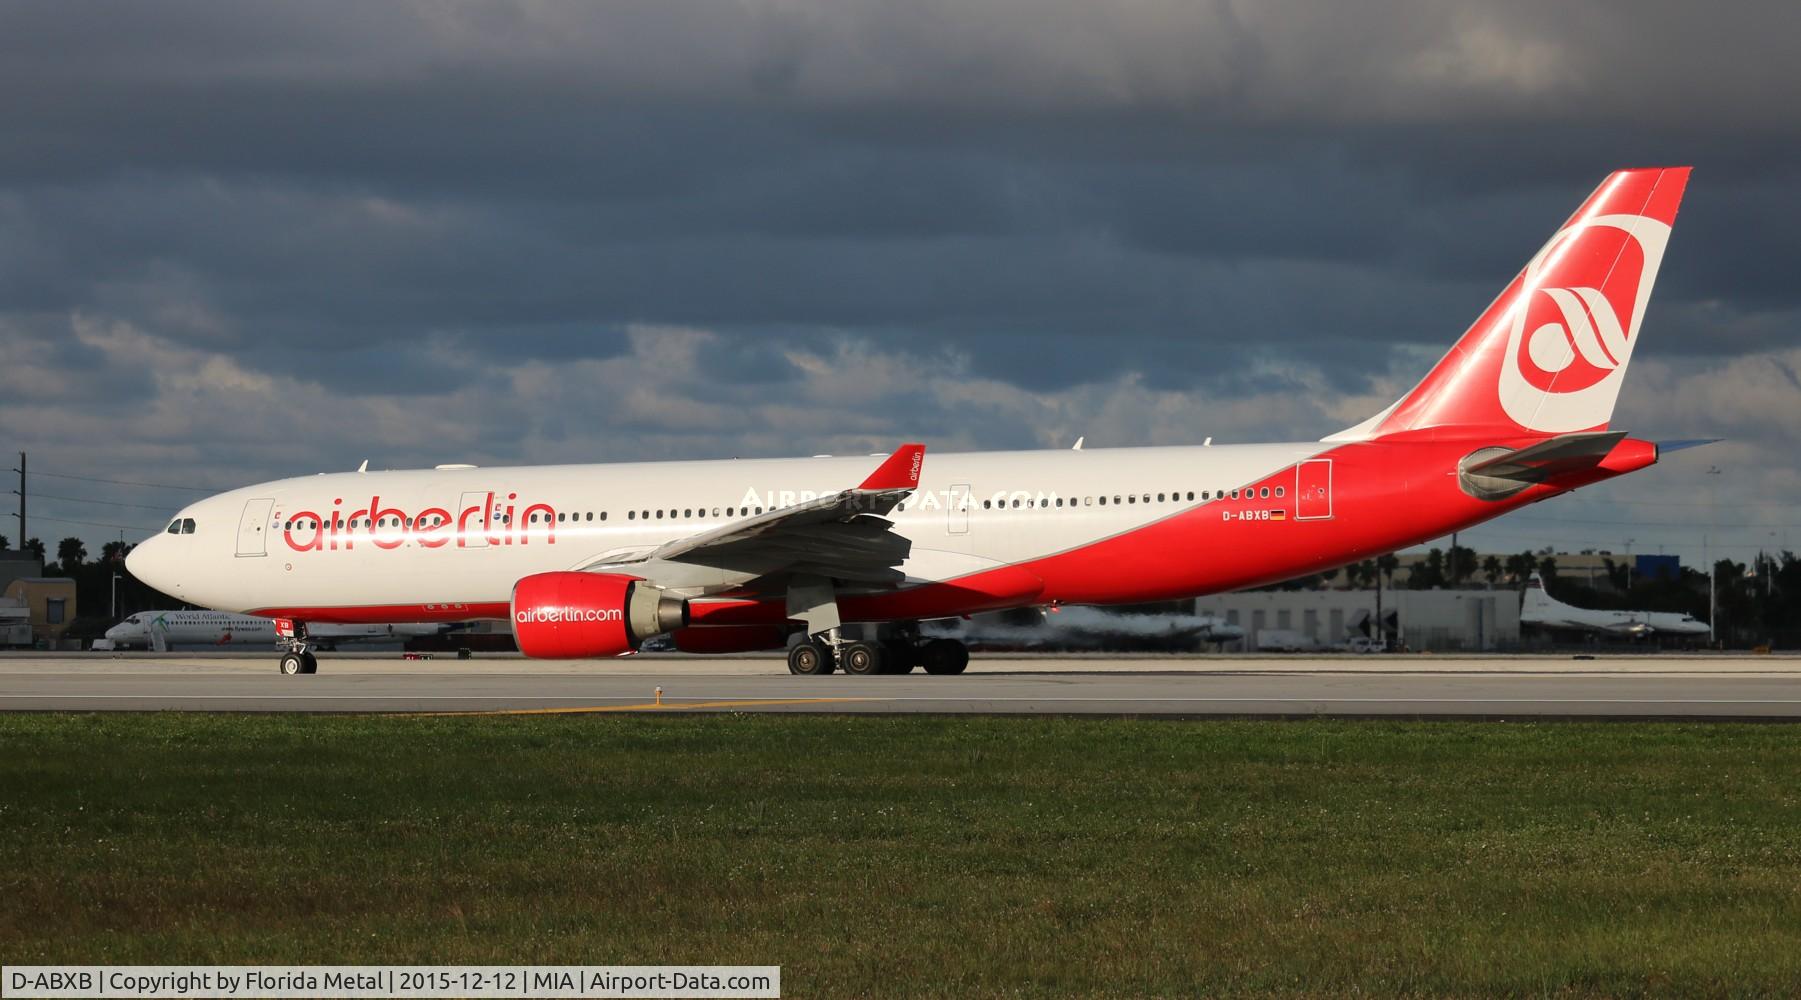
(957, 510)
(1313, 490)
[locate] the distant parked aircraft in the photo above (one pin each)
(161, 629)
(1093, 628)
(1541, 609)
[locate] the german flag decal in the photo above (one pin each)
(1278, 515)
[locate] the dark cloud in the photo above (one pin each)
(447, 231)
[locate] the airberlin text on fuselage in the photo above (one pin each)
(387, 527)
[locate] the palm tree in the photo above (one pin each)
(70, 552)
(1521, 566)
(1388, 564)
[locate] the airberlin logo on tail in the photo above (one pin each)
(1568, 347)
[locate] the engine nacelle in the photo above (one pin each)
(579, 615)
(730, 638)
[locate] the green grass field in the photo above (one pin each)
(920, 856)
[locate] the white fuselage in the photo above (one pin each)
(309, 541)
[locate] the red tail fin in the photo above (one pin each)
(1548, 356)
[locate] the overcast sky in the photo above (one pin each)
(239, 241)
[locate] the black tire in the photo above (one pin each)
(311, 665)
(861, 658)
(899, 657)
(292, 663)
(944, 656)
(809, 659)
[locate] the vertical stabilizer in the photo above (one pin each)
(1548, 356)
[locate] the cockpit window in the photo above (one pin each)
(187, 525)
(175, 526)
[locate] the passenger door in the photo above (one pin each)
(253, 528)
(1313, 490)
(476, 536)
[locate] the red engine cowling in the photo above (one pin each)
(579, 615)
(729, 638)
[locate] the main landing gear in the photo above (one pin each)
(820, 654)
(297, 658)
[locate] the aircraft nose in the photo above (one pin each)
(150, 562)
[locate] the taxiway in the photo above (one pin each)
(1657, 686)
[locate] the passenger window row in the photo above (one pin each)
(1121, 500)
(689, 512)
(186, 525)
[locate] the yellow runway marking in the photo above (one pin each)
(667, 706)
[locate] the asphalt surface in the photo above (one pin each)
(1656, 686)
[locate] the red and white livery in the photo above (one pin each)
(850, 554)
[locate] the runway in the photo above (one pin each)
(1657, 686)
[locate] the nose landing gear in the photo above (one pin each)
(299, 663)
(298, 658)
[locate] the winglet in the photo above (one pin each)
(900, 471)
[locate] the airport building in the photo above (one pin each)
(1586, 568)
(17, 564)
(1442, 620)
(48, 603)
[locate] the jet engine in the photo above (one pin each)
(579, 615)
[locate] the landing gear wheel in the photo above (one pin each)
(809, 659)
(293, 663)
(944, 656)
(899, 658)
(861, 658)
(310, 664)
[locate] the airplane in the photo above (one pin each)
(159, 630)
(1078, 627)
(841, 562)
(1541, 609)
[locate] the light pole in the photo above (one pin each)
(115, 608)
(1713, 603)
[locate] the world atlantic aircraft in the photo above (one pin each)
(160, 630)
(841, 559)
(1079, 627)
(1541, 609)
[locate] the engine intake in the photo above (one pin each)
(579, 615)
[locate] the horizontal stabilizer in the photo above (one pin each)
(1665, 447)
(1549, 458)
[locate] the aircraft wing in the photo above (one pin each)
(844, 535)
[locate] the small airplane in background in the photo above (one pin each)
(159, 630)
(1545, 611)
(1079, 627)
